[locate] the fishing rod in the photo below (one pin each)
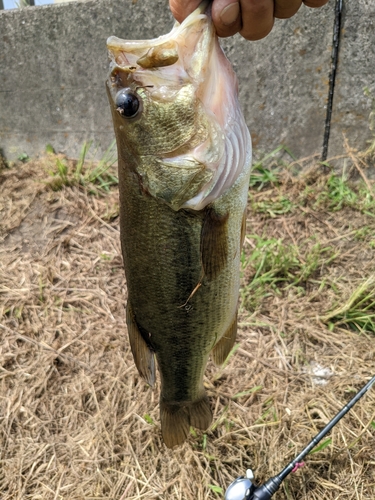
(244, 489)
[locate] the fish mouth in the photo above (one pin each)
(170, 60)
(188, 57)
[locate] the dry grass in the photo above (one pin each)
(76, 420)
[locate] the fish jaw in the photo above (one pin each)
(189, 121)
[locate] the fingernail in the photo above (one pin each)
(230, 13)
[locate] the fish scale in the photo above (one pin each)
(181, 253)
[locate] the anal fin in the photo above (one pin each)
(214, 243)
(144, 358)
(224, 346)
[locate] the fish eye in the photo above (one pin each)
(127, 103)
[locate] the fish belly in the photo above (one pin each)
(182, 293)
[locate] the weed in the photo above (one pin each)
(24, 157)
(321, 446)
(149, 419)
(274, 265)
(50, 150)
(362, 233)
(279, 206)
(270, 264)
(262, 175)
(100, 174)
(97, 175)
(216, 489)
(204, 441)
(317, 257)
(340, 193)
(248, 392)
(358, 312)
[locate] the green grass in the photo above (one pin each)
(339, 192)
(358, 311)
(274, 266)
(262, 175)
(96, 175)
(23, 157)
(216, 489)
(279, 206)
(248, 392)
(321, 446)
(148, 419)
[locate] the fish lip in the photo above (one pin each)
(122, 47)
(124, 70)
(115, 43)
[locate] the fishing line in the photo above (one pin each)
(332, 76)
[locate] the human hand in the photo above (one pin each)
(253, 19)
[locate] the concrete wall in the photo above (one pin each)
(53, 65)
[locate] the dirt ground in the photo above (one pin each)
(77, 421)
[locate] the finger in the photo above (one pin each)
(181, 9)
(226, 15)
(257, 18)
(286, 8)
(315, 3)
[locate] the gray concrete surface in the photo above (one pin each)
(351, 108)
(53, 65)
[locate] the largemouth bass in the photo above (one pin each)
(184, 155)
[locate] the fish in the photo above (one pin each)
(184, 159)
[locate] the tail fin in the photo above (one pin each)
(176, 419)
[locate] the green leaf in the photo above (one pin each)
(23, 157)
(249, 391)
(49, 149)
(204, 441)
(216, 489)
(148, 419)
(322, 445)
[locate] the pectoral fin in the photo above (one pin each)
(144, 358)
(175, 181)
(214, 243)
(224, 346)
